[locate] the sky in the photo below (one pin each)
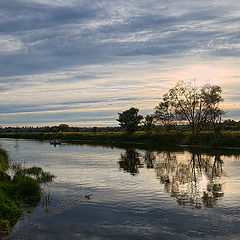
(81, 62)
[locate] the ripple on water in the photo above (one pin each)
(104, 193)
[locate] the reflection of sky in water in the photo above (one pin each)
(104, 193)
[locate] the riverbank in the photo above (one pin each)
(172, 138)
(21, 191)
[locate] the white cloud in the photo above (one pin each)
(9, 44)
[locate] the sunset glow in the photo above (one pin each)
(75, 61)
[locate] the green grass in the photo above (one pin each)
(23, 189)
(224, 139)
(171, 138)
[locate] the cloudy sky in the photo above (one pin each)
(81, 62)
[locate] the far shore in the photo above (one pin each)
(225, 139)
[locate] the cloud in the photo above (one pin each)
(55, 52)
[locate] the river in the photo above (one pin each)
(104, 193)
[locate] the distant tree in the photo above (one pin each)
(198, 106)
(129, 120)
(63, 128)
(164, 114)
(54, 129)
(148, 123)
(230, 124)
(217, 120)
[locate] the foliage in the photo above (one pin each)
(231, 125)
(23, 188)
(59, 128)
(63, 128)
(3, 160)
(38, 174)
(164, 114)
(130, 119)
(27, 189)
(154, 140)
(224, 139)
(196, 105)
(10, 211)
(148, 123)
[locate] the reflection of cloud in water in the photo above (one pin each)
(195, 180)
(56, 206)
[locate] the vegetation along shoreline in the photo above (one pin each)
(225, 139)
(187, 115)
(19, 192)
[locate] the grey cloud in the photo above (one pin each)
(60, 117)
(54, 38)
(232, 114)
(63, 44)
(22, 16)
(70, 105)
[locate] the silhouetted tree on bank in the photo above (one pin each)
(164, 114)
(198, 106)
(130, 119)
(148, 123)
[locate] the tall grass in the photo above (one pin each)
(224, 139)
(23, 188)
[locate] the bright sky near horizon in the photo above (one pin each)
(81, 62)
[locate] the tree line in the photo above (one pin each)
(183, 106)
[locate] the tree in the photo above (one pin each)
(63, 128)
(196, 105)
(164, 114)
(130, 119)
(148, 123)
(217, 120)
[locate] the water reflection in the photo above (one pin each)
(130, 161)
(149, 159)
(193, 179)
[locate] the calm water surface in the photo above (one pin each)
(104, 193)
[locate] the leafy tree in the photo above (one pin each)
(148, 123)
(217, 120)
(230, 124)
(130, 119)
(198, 106)
(63, 128)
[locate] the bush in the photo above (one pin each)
(27, 189)
(3, 160)
(4, 177)
(23, 189)
(9, 213)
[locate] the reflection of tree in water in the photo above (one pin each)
(149, 159)
(195, 183)
(193, 179)
(130, 161)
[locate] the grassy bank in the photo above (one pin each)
(173, 138)
(19, 191)
(224, 139)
